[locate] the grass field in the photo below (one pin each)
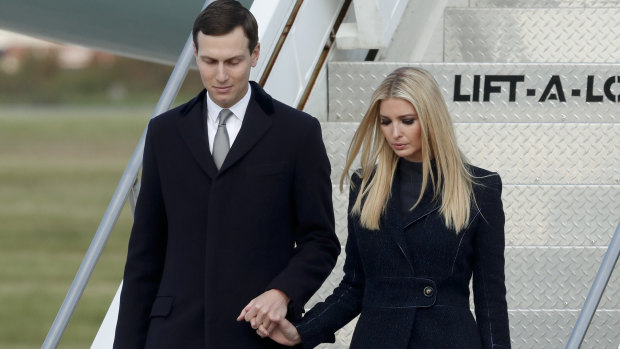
(59, 167)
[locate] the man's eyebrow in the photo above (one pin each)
(215, 59)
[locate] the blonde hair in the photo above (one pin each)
(452, 184)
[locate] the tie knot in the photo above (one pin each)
(223, 116)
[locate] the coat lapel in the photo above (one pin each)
(393, 219)
(256, 122)
(190, 126)
(426, 206)
(396, 223)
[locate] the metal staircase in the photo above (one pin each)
(533, 89)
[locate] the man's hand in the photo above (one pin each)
(285, 333)
(266, 310)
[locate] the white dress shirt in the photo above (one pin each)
(233, 125)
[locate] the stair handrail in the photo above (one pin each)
(116, 203)
(596, 292)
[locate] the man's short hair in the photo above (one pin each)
(222, 17)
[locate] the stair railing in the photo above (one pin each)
(596, 292)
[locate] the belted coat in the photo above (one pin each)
(205, 242)
(409, 281)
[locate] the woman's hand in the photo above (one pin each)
(285, 333)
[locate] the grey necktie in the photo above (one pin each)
(221, 144)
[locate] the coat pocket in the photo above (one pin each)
(162, 306)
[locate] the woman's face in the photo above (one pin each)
(401, 128)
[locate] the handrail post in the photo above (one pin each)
(596, 292)
(116, 203)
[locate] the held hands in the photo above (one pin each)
(266, 312)
(285, 333)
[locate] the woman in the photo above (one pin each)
(421, 223)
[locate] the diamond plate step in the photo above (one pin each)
(543, 305)
(558, 152)
(551, 329)
(544, 153)
(536, 329)
(352, 84)
(537, 277)
(564, 216)
(531, 35)
(544, 3)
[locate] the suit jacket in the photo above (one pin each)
(206, 242)
(409, 281)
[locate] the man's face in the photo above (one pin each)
(224, 62)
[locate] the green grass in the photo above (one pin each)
(59, 167)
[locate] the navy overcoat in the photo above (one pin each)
(205, 243)
(409, 281)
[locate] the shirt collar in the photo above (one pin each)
(238, 109)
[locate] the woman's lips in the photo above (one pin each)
(399, 146)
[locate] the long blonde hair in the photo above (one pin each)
(453, 182)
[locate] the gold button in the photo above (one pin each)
(428, 291)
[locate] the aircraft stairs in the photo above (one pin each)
(533, 87)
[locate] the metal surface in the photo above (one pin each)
(531, 35)
(549, 277)
(116, 204)
(522, 153)
(560, 165)
(301, 51)
(541, 216)
(594, 296)
(418, 36)
(529, 327)
(544, 3)
(551, 328)
(546, 284)
(560, 215)
(544, 303)
(352, 84)
(375, 22)
(558, 263)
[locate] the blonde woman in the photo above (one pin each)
(422, 222)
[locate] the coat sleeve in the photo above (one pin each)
(345, 302)
(145, 256)
(488, 274)
(317, 246)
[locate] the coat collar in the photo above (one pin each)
(396, 224)
(256, 122)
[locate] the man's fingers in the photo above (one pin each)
(250, 311)
(260, 315)
(244, 311)
(242, 314)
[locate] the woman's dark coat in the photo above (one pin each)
(409, 281)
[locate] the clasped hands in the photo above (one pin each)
(266, 314)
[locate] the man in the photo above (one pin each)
(221, 236)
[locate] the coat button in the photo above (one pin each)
(428, 291)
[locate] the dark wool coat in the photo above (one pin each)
(204, 243)
(409, 281)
